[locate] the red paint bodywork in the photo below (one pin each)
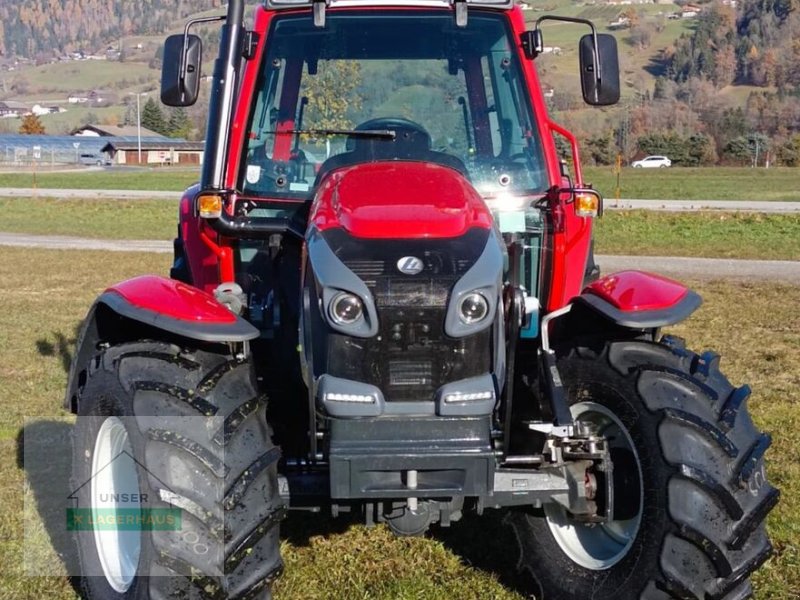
(568, 237)
(173, 299)
(633, 291)
(203, 261)
(412, 200)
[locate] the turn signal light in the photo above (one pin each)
(210, 206)
(587, 205)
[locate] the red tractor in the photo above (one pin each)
(382, 304)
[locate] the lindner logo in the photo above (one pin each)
(410, 265)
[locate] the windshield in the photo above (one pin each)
(390, 86)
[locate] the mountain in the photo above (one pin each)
(756, 46)
(32, 28)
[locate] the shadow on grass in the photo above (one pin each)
(63, 347)
(44, 452)
(486, 543)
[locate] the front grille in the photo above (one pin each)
(367, 270)
(404, 373)
(411, 357)
(416, 293)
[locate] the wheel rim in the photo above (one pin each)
(115, 486)
(598, 546)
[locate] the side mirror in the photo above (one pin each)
(599, 69)
(180, 71)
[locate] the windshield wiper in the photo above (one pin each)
(363, 133)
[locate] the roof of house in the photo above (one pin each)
(63, 143)
(117, 130)
(165, 144)
(14, 104)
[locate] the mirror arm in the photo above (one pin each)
(184, 66)
(595, 58)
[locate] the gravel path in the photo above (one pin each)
(690, 205)
(610, 203)
(63, 242)
(704, 268)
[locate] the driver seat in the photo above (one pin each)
(409, 144)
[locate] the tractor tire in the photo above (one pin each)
(183, 432)
(689, 483)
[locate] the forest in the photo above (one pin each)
(33, 27)
(691, 114)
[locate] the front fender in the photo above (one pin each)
(639, 300)
(152, 307)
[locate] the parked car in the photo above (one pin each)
(649, 162)
(94, 159)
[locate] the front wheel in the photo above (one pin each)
(174, 472)
(690, 490)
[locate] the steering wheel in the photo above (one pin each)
(407, 132)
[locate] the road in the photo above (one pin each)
(88, 194)
(706, 268)
(690, 205)
(610, 204)
(63, 242)
(701, 268)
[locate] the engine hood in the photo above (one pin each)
(399, 200)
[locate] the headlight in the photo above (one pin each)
(346, 308)
(473, 308)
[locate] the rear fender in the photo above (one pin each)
(628, 300)
(152, 307)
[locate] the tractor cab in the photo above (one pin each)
(391, 85)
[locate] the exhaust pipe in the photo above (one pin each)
(224, 86)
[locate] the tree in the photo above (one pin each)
(602, 149)
(129, 115)
(31, 125)
(641, 35)
(179, 125)
(737, 150)
(331, 93)
(153, 118)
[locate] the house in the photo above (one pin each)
(94, 97)
(690, 11)
(556, 50)
(155, 152)
(620, 23)
(102, 97)
(40, 110)
(99, 130)
(11, 109)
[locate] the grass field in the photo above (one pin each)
(705, 234)
(708, 183)
(158, 180)
(100, 219)
(46, 293)
(711, 235)
(701, 183)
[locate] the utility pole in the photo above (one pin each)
(139, 127)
